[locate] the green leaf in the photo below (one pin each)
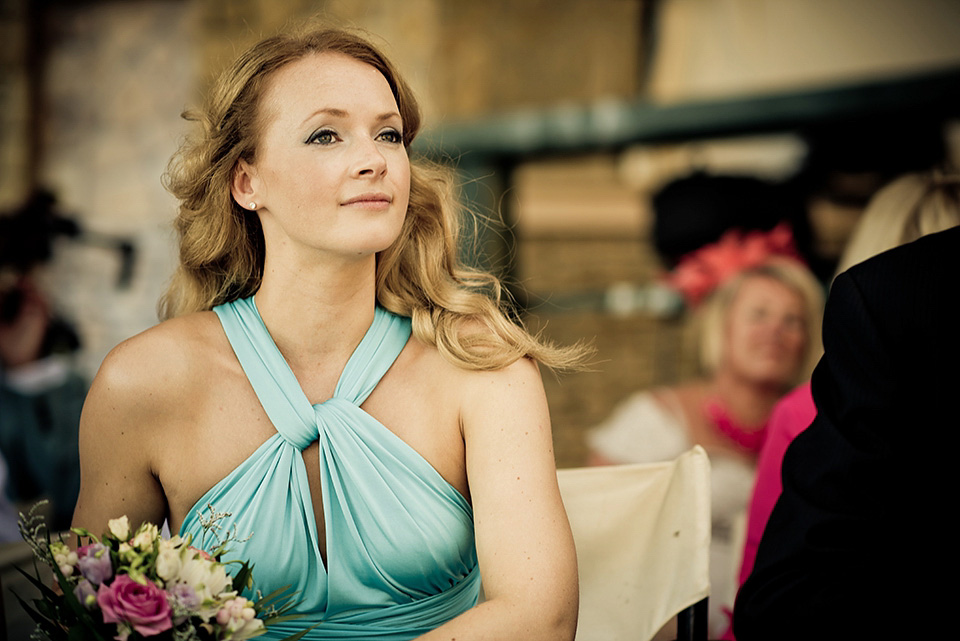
(268, 600)
(34, 614)
(241, 579)
(77, 634)
(45, 590)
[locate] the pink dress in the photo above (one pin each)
(792, 414)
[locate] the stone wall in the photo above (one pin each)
(116, 79)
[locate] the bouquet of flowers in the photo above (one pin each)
(135, 585)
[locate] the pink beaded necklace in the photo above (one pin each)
(748, 438)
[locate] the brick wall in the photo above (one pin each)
(582, 227)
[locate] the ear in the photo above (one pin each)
(243, 185)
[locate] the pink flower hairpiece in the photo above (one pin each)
(703, 270)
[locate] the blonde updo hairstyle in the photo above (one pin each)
(459, 310)
(713, 313)
(911, 206)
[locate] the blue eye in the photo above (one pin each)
(391, 136)
(323, 137)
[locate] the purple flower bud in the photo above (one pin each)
(94, 563)
(85, 593)
(184, 596)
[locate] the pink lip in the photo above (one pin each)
(369, 199)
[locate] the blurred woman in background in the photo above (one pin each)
(758, 326)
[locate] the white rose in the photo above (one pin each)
(120, 528)
(208, 579)
(168, 563)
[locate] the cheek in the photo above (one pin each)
(796, 340)
(402, 176)
(750, 333)
(740, 344)
(401, 179)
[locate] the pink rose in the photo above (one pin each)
(201, 553)
(144, 607)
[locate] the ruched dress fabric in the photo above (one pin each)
(401, 558)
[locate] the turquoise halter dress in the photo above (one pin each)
(401, 558)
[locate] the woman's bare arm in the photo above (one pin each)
(524, 544)
(119, 431)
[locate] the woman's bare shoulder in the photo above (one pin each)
(164, 362)
(447, 373)
(689, 394)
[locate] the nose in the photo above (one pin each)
(369, 161)
(785, 329)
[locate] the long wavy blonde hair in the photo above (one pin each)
(462, 311)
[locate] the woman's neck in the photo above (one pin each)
(317, 313)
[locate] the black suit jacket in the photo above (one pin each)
(862, 537)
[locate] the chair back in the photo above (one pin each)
(642, 533)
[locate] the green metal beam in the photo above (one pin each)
(614, 124)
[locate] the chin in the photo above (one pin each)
(782, 380)
(372, 243)
(774, 377)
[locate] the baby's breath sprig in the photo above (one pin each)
(33, 529)
(211, 524)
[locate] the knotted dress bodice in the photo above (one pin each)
(400, 553)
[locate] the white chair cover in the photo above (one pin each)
(643, 537)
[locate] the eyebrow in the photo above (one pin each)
(340, 113)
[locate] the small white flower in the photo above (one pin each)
(120, 527)
(64, 557)
(145, 536)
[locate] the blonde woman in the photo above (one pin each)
(331, 376)
(759, 335)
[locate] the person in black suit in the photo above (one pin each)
(857, 545)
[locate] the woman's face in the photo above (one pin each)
(766, 332)
(331, 172)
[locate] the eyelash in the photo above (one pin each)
(393, 136)
(315, 136)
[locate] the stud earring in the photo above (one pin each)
(252, 206)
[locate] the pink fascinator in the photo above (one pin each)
(703, 270)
